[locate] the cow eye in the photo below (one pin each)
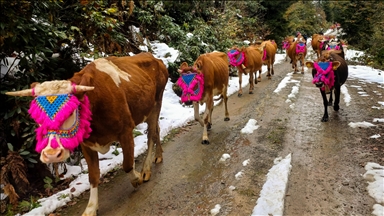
(69, 122)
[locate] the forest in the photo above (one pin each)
(52, 39)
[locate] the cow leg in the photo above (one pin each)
(225, 98)
(269, 70)
(330, 101)
(197, 114)
(207, 123)
(240, 93)
(259, 77)
(337, 98)
(92, 159)
(302, 64)
(152, 137)
(251, 85)
(325, 103)
(128, 145)
(272, 62)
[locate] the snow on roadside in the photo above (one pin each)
(272, 195)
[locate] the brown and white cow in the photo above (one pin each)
(97, 106)
(247, 60)
(269, 52)
(317, 44)
(208, 77)
(297, 52)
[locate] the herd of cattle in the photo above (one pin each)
(106, 100)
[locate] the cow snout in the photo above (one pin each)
(319, 84)
(188, 103)
(53, 155)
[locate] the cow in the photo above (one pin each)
(247, 60)
(99, 105)
(317, 44)
(335, 44)
(269, 52)
(206, 78)
(297, 52)
(286, 45)
(329, 73)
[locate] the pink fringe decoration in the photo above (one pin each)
(264, 54)
(300, 49)
(188, 92)
(47, 125)
(326, 76)
(232, 58)
(285, 45)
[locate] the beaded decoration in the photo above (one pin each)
(300, 48)
(192, 85)
(332, 46)
(236, 61)
(51, 111)
(324, 74)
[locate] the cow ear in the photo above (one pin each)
(183, 65)
(309, 64)
(198, 64)
(34, 84)
(335, 65)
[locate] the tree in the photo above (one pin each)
(305, 17)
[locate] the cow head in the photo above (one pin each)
(64, 120)
(236, 56)
(191, 81)
(324, 77)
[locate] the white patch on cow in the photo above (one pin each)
(112, 70)
(101, 148)
(93, 203)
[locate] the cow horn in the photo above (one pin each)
(81, 88)
(25, 92)
(180, 71)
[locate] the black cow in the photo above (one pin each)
(329, 73)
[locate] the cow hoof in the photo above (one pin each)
(145, 176)
(158, 160)
(302, 72)
(336, 108)
(209, 126)
(324, 119)
(226, 119)
(205, 142)
(239, 95)
(250, 92)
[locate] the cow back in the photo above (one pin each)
(126, 90)
(254, 57)
(271, 49)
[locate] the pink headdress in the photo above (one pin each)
(192, 85)
(324, 74)
(51, 111)
(236, 61)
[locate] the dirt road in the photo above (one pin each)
(327, 158)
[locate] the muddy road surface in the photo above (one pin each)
(327, 158)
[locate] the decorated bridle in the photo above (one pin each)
(232, 57)
(52, 111)
(325, 74)
(191, 81)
